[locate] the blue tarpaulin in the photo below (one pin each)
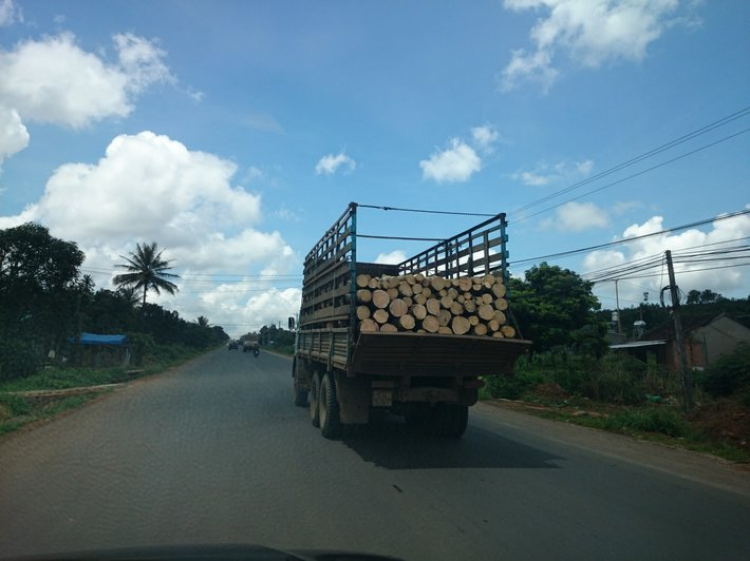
(96, 339)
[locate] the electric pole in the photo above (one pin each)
(687, 382)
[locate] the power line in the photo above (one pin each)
(424, 211)
(642, 172)
(634, 238)
(658, 150)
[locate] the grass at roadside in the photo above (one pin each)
(18, 409)
(663, 423)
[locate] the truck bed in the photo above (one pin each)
(412, 354)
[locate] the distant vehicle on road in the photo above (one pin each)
(233, 345)
(251, 345)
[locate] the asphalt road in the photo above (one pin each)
(215, 452)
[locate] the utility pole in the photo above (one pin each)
(617, 298)
(687, 382)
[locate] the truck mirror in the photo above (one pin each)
(291, 323)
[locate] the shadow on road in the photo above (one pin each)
(393, 445)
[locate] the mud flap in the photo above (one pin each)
(354, 399)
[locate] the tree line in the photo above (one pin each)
(45, 300)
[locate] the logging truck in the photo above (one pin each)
(415, 338)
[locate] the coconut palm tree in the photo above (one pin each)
(202, 321)
(146, 270)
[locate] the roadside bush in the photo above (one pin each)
(662, 421)
(730, 375)
(17, 360)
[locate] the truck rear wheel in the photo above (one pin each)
(328, 406)
(314, 400)
(455, 421)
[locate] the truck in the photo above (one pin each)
(345, 368)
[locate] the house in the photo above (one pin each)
(93, 349)
(707, 338)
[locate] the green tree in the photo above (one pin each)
(146, 270)
(202, 321)
(556, 308)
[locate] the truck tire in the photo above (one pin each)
(456, 420)
(314, 401)
(300, 397)
(328, 406)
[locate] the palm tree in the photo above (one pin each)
(202, 321)
(146, 271)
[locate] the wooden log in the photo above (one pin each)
(498, 335)
(417, 289)
(426, 291)
(392, 293)
(364, 296)
(368, 326)
(470, 306)
(407, 322)
(444, 329)
(437, 283)
(419, 311)
(487, 298)
(488, 281)
(479, 329)
(381, 316)
(430, 324)
(410, 279)
(420, 299)
(460, 325)
(443, 293)
(453, 293)
(464, 283)
(418, 278)
(363, 280)
(446, 302)
(493, 325)
(408, 301)
(388, 328)
(457, 309)
(373, 284)
(363, 312)
(433, 306)
(474, 320)
(444, 317)
(486, 312)
(498, 289)
(405, 289)
(380, 299)
(509, 331)
(397, 307)
(500, 317)
(501, 304)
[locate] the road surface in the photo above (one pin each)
(215, 452)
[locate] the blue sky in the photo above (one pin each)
(234, 133)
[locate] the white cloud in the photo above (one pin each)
(455, 164)
(53, 80)
(544, 174)
(485, 137)
(9, 13)
(13, 134)
(690, 274)
(590, 32)
(576, 217)
(149, 187)
(393, 258)
(330, 164)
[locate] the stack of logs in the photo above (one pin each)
(433, 304)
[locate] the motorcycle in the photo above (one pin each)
(256, 352)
